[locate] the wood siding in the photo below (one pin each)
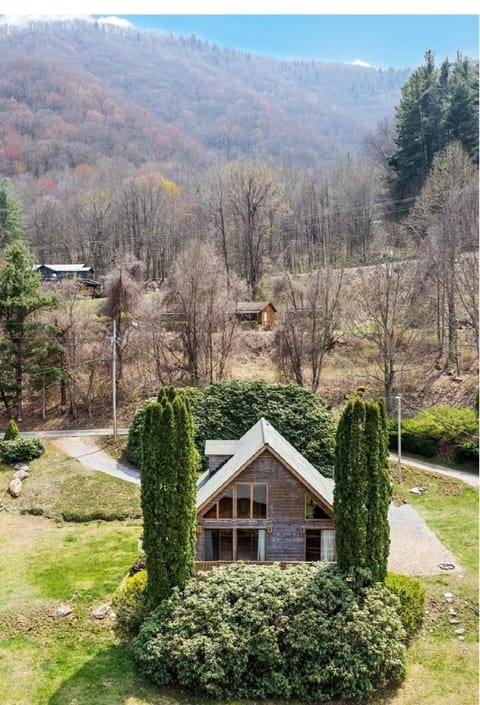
(285, 522)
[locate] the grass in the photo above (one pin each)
(77, 660)
(62, 488)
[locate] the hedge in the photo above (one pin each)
(226, 410)
(260, 632)
(447, 432)
(411, 596)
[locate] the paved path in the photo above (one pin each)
(470, 478)
(86, 450)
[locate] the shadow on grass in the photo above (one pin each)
(110, 678)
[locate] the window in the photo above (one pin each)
(219, 544)
(223, 509)
(251, 544)
(314, 510)
(251, 501)
(320, 545)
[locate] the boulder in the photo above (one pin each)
(22, 466)
(63, 610)
(101, 611)
(20, 474)
(15, 487)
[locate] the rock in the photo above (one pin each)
(461, 638)
(418, 490)
(22, 466)
(15, 487)
(20, 474)
(101, 611)
(460, 630)
(454, 621)
(447, 595)
(63, 610)
(452, 612)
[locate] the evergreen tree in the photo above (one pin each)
(461, 120)
(362, 492)
(351, 494)
(20, 297)
(168, 494)
(419, 129)
(379, 490)
(11, 216)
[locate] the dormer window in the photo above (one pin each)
(313, 510)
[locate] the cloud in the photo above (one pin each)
(359, 62)
(117, 21)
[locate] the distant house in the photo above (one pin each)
(58, 272)
(261, 313)
(261, 500)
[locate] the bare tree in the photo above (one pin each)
(445, 216)
(310, 324)
(202, 308)
(386, 315)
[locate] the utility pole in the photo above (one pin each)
(399, 437)
(113, 341)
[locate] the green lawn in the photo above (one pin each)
(77, 660)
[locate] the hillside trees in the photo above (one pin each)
(437, 107)
(362, 492)
(446, 215)
(312, 309)
(387, 317)
(249, 201)
(12, 224)
(168, 492)
(201, 301)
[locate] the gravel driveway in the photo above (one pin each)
(414, 548)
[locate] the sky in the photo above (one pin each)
(396, 40)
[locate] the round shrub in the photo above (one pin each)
(259, 632)
(135, 433)
(130, 604)
(21, 450)
(411, 596)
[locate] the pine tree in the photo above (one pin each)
(362, 492)
(11, 216)
(379, 492)
(461, 120)
(168, 494)
(20, 297)
(351, 495)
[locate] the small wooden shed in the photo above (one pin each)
(261, 313)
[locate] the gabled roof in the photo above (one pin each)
(258, 438)
(253, 306)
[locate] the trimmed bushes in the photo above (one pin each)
(447, 432)
(259, 632)
(411, 596)
(12, 431)
(20, 450)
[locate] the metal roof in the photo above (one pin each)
(221, 447)
(260, 437)
(66, 267)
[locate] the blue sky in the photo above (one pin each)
(380, 40)
(269, 27)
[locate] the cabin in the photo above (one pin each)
(260, 501)
(54, 273)
(260, 314)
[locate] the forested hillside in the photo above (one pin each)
(158, 96)
(205, 176)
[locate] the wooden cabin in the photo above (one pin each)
(259, 313)
(260, 500)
